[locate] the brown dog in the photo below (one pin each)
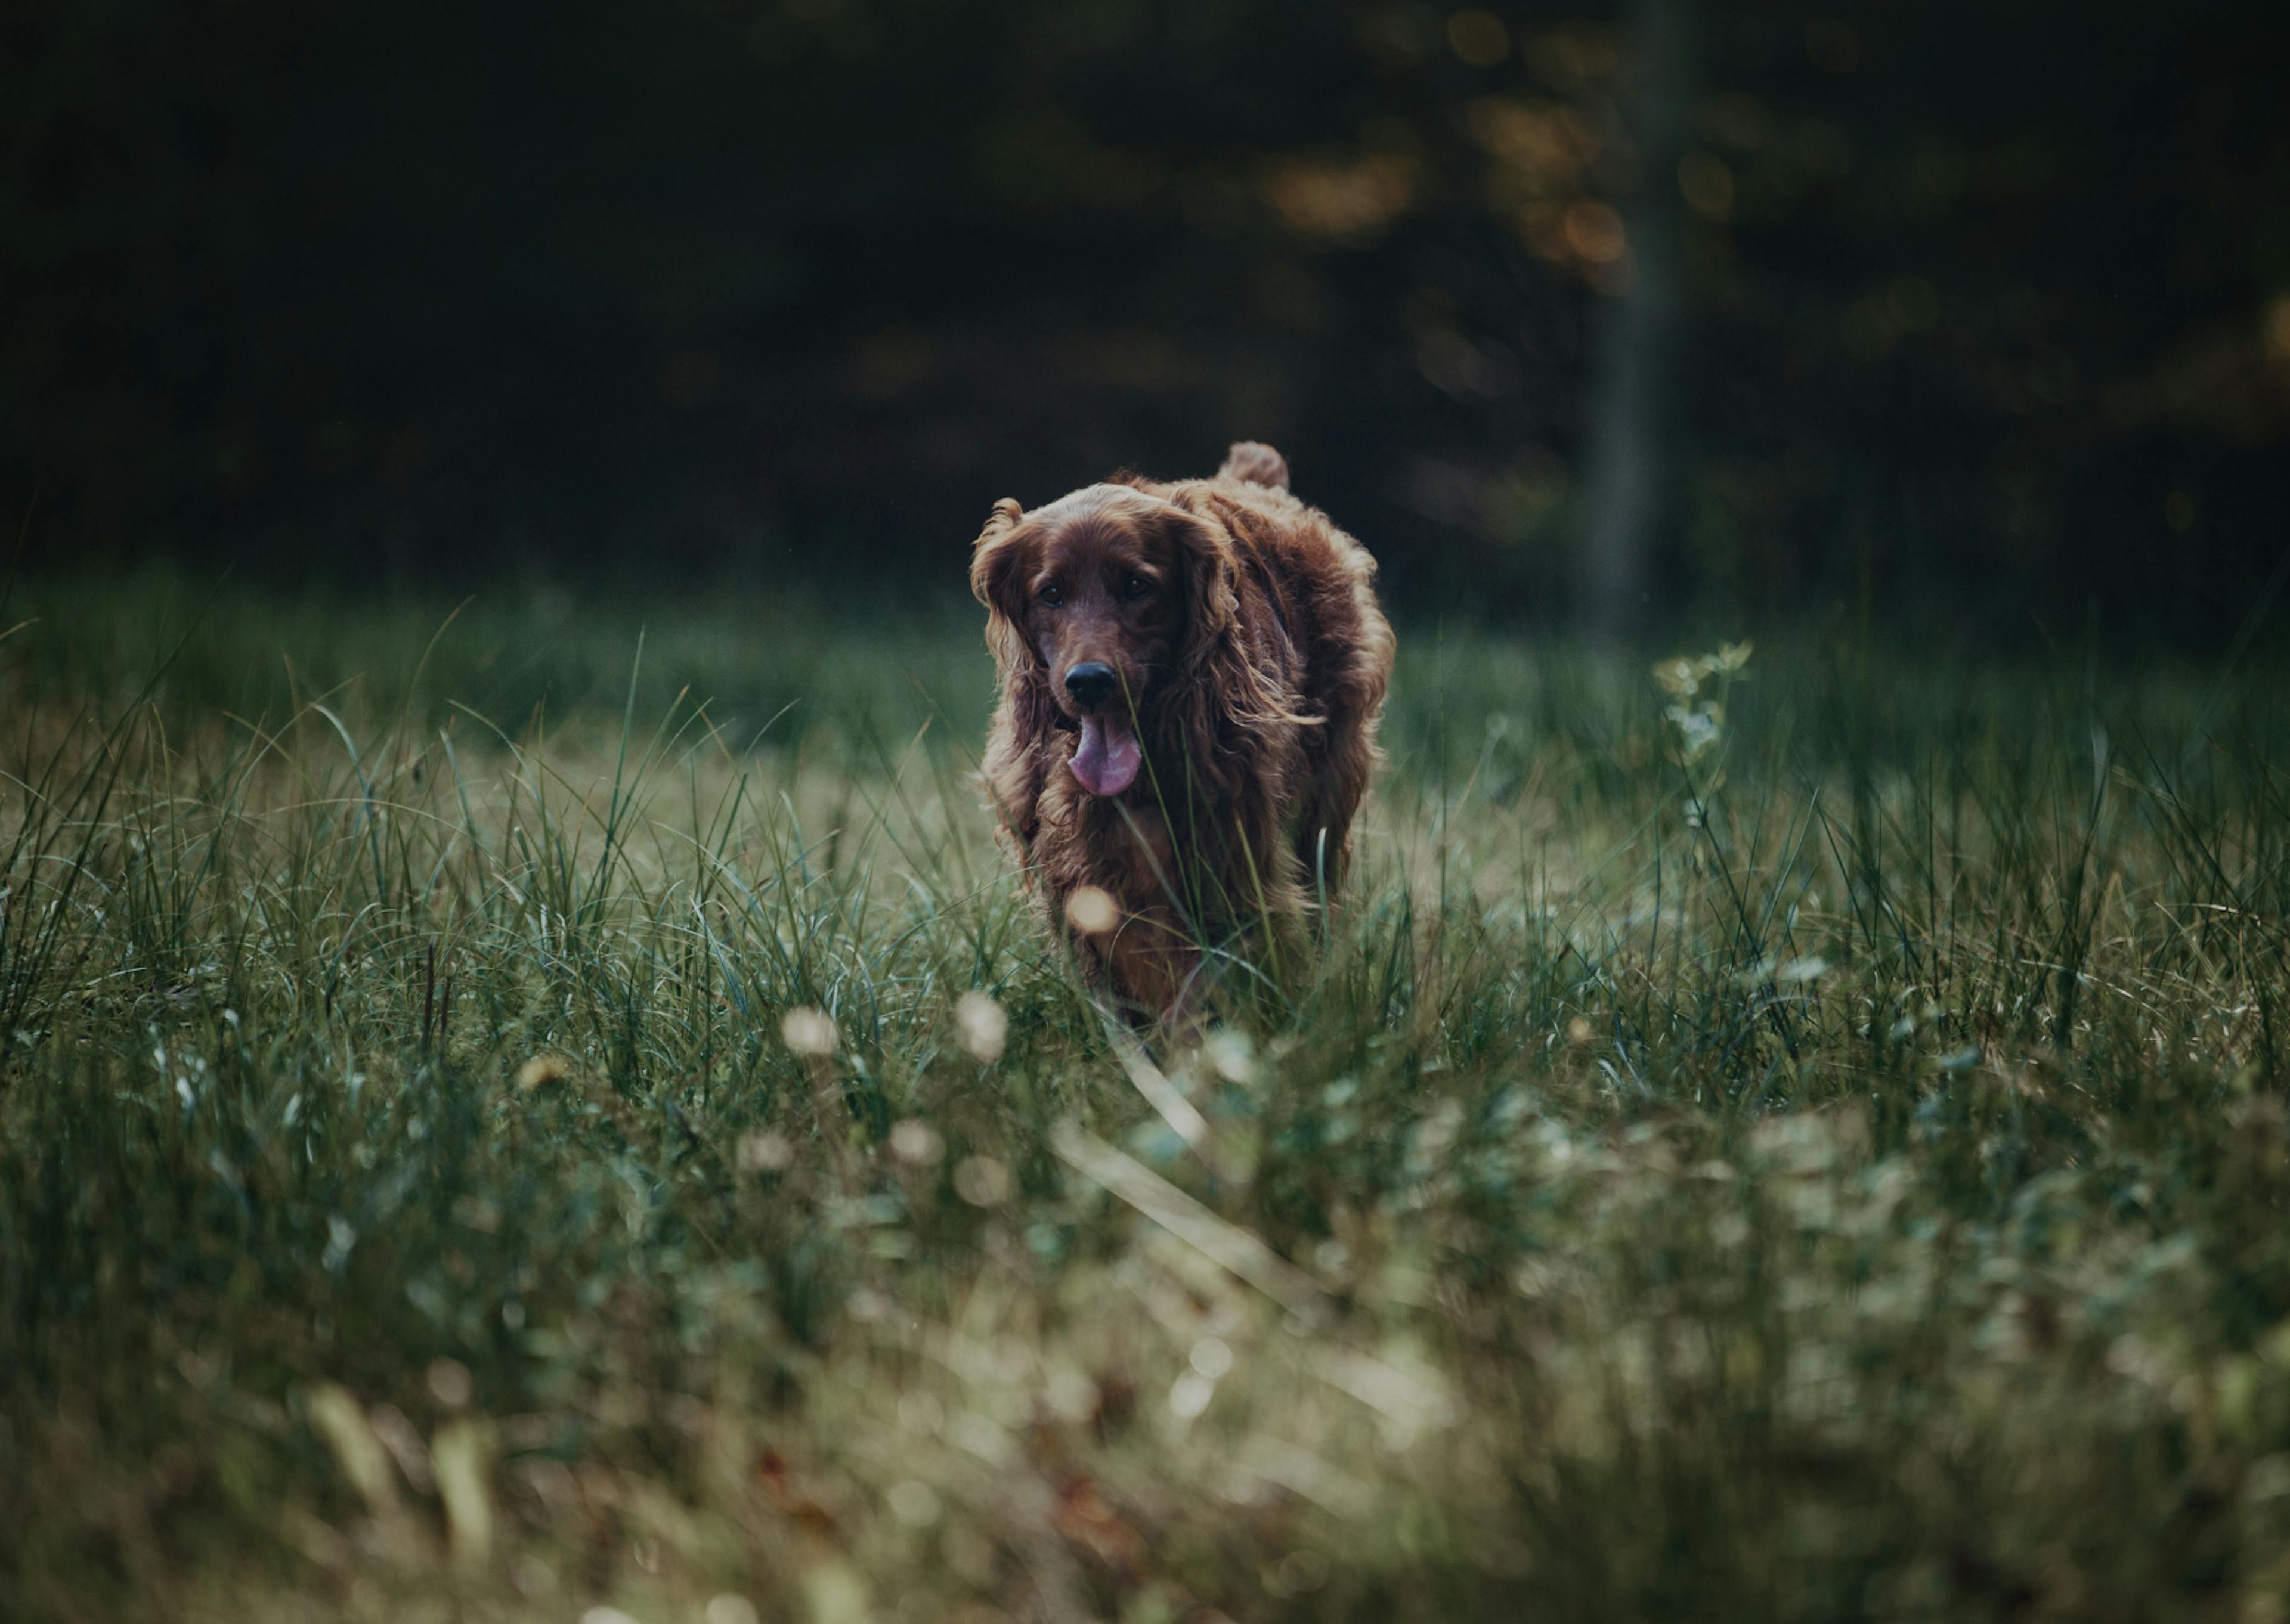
(1191, 677)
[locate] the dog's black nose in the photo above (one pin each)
(1091, 682)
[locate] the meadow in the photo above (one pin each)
(559, 1109)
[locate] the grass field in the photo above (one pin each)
(1798, 1141)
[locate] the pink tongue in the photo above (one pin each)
(1107, 760)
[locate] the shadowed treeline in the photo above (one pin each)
(1978, 307)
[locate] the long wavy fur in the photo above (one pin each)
(1258, 739)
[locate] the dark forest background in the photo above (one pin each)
(1977, 309)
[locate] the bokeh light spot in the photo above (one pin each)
(1091, 910)
(765, 1152)
(913, 1502)
(1706, 182)
(449, 1383)
(1594, 231)
(1189, 1395)
(981, 1180)
(2277, 330)
(809, 1032)
(982, 1026)
(1478, 38)
(916, 1142)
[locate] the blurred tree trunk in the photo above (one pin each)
(1632, 438)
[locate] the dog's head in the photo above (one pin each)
(1098, 606)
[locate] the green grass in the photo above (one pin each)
(1834, 1170)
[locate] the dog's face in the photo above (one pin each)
(1097, 587)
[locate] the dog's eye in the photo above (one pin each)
(1134, 586)
(1051, 594)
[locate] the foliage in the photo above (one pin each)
(1831, 1163)
(1983, 305)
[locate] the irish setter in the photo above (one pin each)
(1191, 677)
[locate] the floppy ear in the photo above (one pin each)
(1223, 725)
(1225, 696)
(1212, 573)
(995, 560)
(1017, 750)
